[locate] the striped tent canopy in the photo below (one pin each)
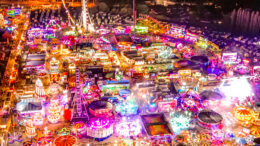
(65, 140)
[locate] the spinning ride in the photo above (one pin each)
(65, 140)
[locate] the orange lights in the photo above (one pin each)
(243, 113)
(54, 77)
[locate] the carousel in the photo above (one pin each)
(255, 130)
(44, 141)
(65, 140)
(243, 113)
(100, 129)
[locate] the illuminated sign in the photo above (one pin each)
(122, 30)
(141, 29)
(166, 106)
(35, 32)
(41, 33)
(184, 72)
(229, 58)
(70, 33)
(13, 12)
(68, 40)
(54, 77)
(117, 82)
(49, 34)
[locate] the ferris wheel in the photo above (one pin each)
(68, 12)
(85, 16)
(86, 20)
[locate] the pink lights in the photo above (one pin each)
(100, 128)
(191, 37)
(100, 123)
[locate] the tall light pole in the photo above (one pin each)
(134, 13)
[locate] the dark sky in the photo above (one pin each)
(227, 5)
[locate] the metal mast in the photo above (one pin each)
(134, 13)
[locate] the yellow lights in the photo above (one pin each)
(54, 63)
(197, 74)
(72, 66)
(91, 28)
(184, 72)
(53, 59)
(65, 52)
(80, 31)
(174, 76)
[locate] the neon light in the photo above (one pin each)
(100, 123)
(100, 128)
(229, 58)
(13, 12)
(68, 40)
(166, 106)
(122, 30)
(202, 44)
(35, 32)
(70, 33)
(49, 34)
